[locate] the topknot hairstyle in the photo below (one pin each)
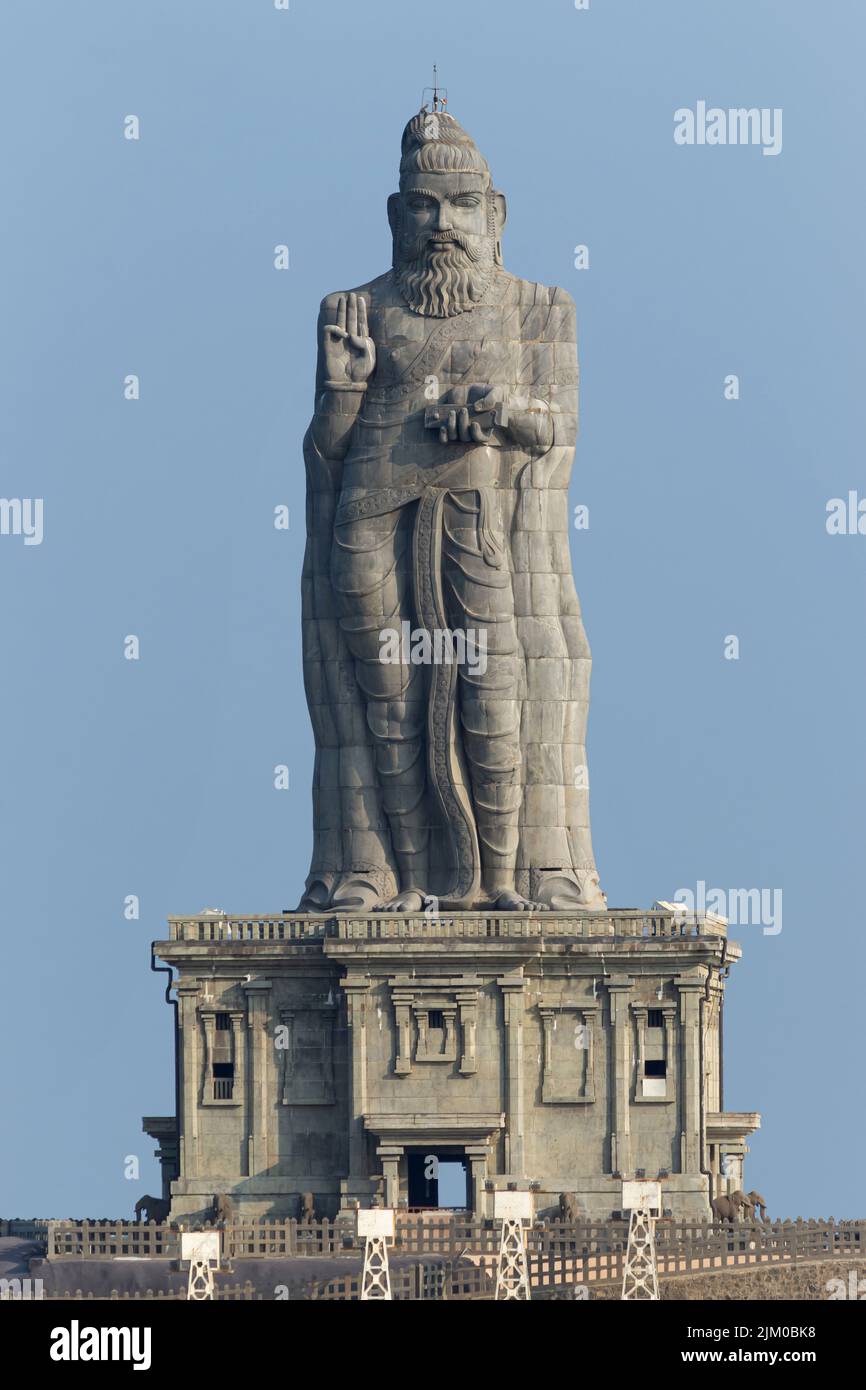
(435, 143)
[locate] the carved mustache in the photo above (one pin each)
(432, 241)
(453, 239)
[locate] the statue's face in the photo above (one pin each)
(444, 209)
(444, 246)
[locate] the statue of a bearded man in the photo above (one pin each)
(438, 462)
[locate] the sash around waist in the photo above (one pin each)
(474, 468)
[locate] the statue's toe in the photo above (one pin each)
(410, 901)
(515, 902)
(563, 894)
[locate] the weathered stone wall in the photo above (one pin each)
(284, 1130)
(802, 1283)
(532, 1047)
(433, 1086)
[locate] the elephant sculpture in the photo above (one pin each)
(149, 1208)
(222, 1209)
(726, 1208)
(748, 1201)
(569, 1207)
(729, 1208)
(757, 1203)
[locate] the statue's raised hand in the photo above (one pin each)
(349, 351)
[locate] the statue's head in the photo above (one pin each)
(446, 220)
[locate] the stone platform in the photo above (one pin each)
(351, 1057)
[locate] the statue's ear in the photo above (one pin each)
(500, 212)
(500, 216)
(394, 213)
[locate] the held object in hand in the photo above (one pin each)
(437, 415)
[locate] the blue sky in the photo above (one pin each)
(707, 516)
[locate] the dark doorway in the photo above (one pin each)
(438, 1179)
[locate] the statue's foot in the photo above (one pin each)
(511, 901)
(563, 894)
(356, 894)
(410, 901)
(317, 897)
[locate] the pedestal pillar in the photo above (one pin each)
(691, 991)
(357, 989)
(729, 1167)
(190, 1078)
(240, 1092)
(619, 990)
(477, 1156)
(390, 1154)
(468, 1000)
(403, 999)
(261, 1099)
(512, 987)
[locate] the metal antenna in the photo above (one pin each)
(438, 95)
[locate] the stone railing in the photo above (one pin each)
(107, 1240)
(242, 1239)
(421, 1281)
(25, 1227)
(459, 1257)
(518, 926)
(594, 1246)
(597, 1248)
(281, 927)
(470, 926)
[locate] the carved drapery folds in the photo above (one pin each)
(568, 1061)
(436, 1021)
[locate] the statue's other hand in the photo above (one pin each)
(494, 403)
(458, 428)
(456, 412)
(349, 351)
(484, 397)
(477, 397)
(524, 419)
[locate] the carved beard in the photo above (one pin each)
(442, 277)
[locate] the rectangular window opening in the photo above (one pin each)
(223, 1080)
(655, 1019)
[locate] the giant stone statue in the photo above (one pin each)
(438, 462)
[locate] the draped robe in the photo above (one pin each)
(521, 335)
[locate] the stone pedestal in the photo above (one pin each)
(566, 1051)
